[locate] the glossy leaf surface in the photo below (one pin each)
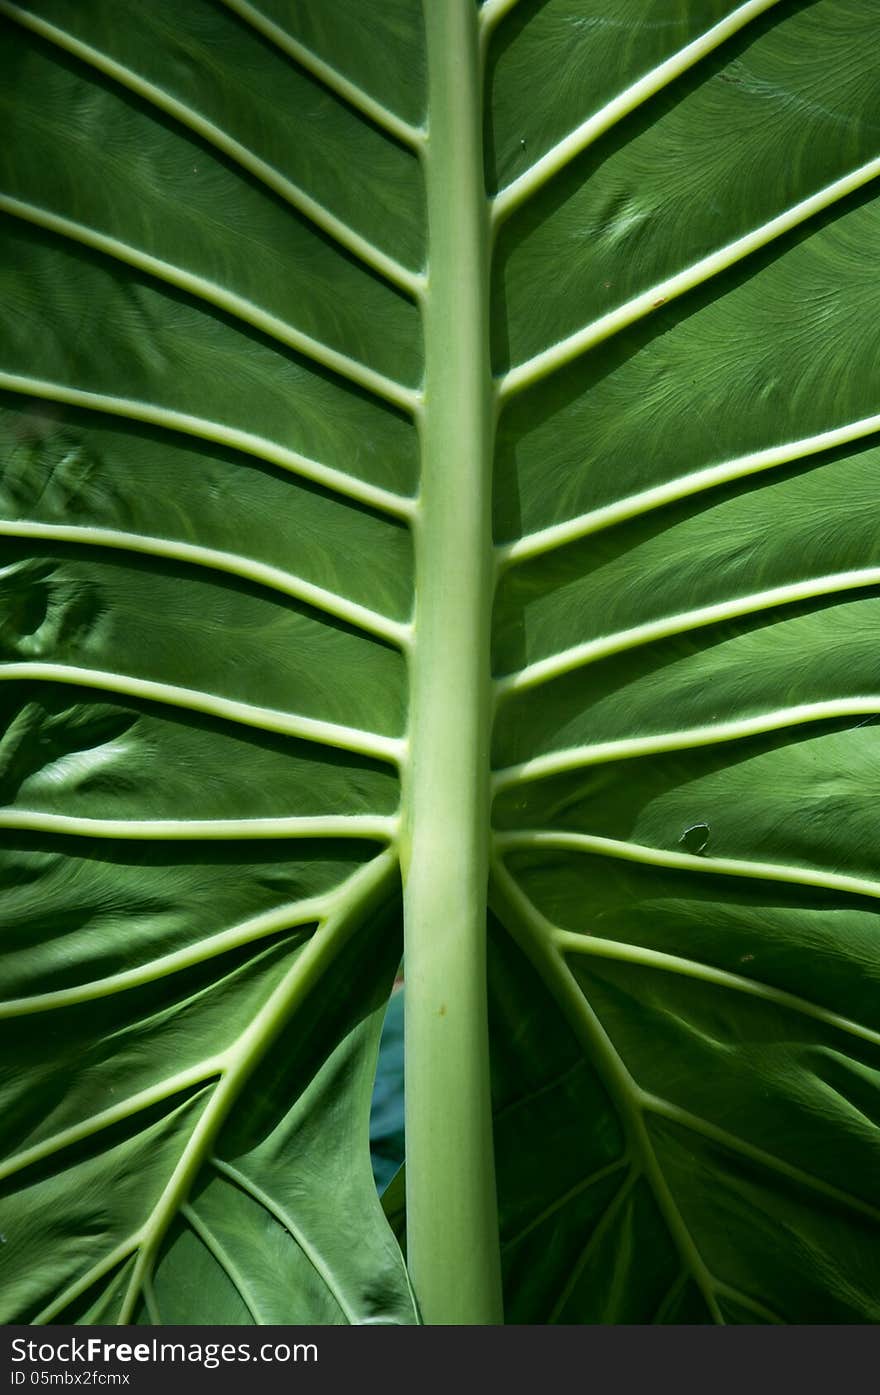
(216, 524)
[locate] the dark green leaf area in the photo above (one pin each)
(796, 801)
(131, 337)
(222, 512)
(193, 127)
(552, 1200)
(119, 617)
(84, 912)
(100, 1131)
(664, 189)
(258, 1229)
(540, 55)
(779, 342)
(802, 531)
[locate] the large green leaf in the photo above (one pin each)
(270, 361)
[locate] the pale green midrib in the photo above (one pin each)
(530, 930)
(573, 758)
(378, 826)
(262, 574)
(284, 1218)
(567, 661)
(558, 355)
(365, 892)
(309, 729)
(295, 915)
(383, 265)
(236, 306)
(530, 839)
(620, 952)
(329, 77)
(561, 155)
(559, 535)
(202, 428)
(221, 1256)
(452, 1224)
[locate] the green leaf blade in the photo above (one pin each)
(684, 634)
(208, 388)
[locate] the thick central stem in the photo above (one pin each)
(452, 1222)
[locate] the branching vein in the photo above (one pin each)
(534, 935)
(558, 535)
(238, 307)
(550, 360)
(329, 77)
(346, 910)
(275, 922)
(337, 481)
(383, 265)
(367, 887)
(584, 135)
(212, 559)
(344, 738)
(118, 1255)
(571, 1194)
(631, 748)
(189, 830)
(590, 844)
(592, 650)
(733, 1143)
(592, 946)
(106, 1118)
(606, 1220)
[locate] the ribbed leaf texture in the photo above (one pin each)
(214, 259)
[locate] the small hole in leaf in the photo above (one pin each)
(695, 838)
